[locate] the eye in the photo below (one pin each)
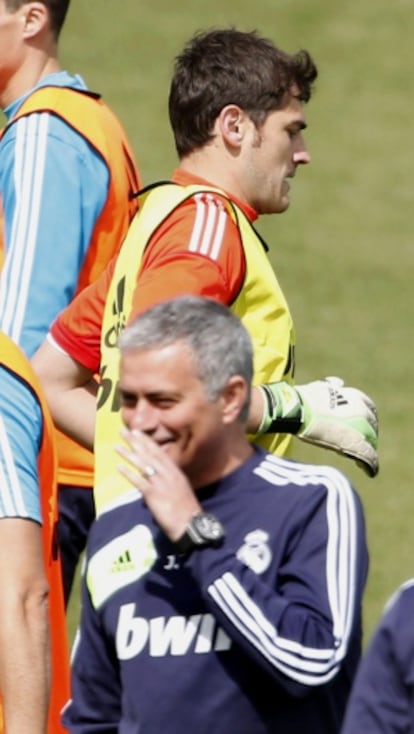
(128, 400)
(164, 402)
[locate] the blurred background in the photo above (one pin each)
(343, 252)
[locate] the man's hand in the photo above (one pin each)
(325, 413)
(164, 487)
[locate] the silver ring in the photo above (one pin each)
(148, 471)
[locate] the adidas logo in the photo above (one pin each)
(123, 563)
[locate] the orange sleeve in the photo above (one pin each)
(197, 250)
(77, 330)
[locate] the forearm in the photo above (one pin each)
(70, 391)
(24, 661)
(74, 413)
(257, 407)
(266, 623)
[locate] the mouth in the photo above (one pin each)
(164, 443)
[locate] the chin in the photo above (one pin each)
(277, 206)
(282, 206)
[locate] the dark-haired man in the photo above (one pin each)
(237, 112)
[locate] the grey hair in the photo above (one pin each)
(217, 339)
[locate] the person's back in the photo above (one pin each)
(382, 697)
(67, 184)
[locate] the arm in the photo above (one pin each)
(187, 255)
(176, 261)
(69, 358)
(66, 364)
(24, 638)
(70, 391)
(298, 630)
(48, 221)
(24, 635)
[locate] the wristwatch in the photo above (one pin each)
(203, 530)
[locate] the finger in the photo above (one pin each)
(366, 459)
(136, 480)
(144, 470)
(366, 400)
(334, 381)
(145, 448)
(371, 419)
(370, 468)
(129, 455)
(139, 450)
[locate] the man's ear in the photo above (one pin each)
(35, 17)
(232, 123)
(234, 396)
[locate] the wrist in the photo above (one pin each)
(282, 408)
(203, 530)
(178, 522)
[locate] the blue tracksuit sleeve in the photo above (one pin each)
(297, 625)
(21, 426)
(53, 187)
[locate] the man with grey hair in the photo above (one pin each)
(223, 592)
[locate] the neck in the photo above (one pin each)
(218, 167)
(36, 66)
(226, 460)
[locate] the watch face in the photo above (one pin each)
(203, 530)
(209, 528)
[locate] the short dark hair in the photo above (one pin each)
(221, 67)
(57, 11)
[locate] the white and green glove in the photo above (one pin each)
(325, 413)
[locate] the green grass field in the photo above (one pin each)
(344, 251)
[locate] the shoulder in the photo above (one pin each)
(399, 610)
(17, 397)
(57, 115)
(21, 426)
(305, 491)
(21, 416)
(391, 647)
(280, 471)
(115, 519)
(297, 489)
(184, 202)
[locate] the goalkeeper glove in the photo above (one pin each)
(325, 413)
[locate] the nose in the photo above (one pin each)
(143, 416)
(301, 155)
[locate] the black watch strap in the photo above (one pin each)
(203, 530)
